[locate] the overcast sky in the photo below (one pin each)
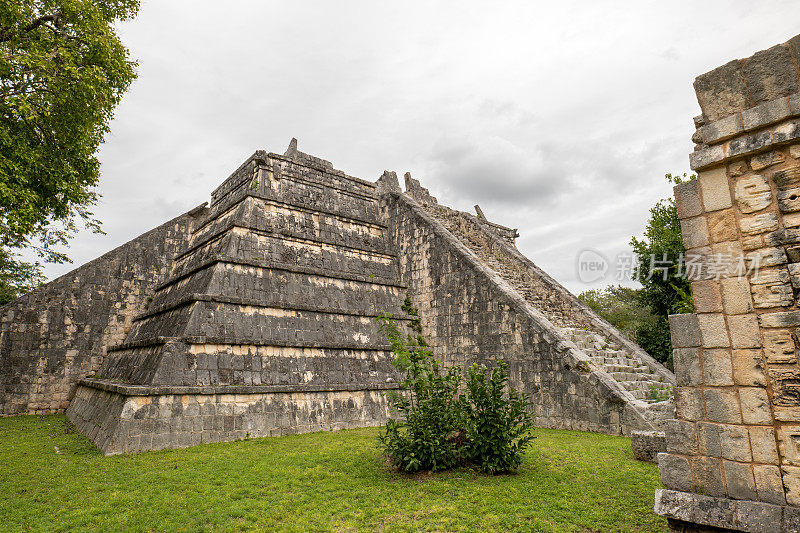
(558, 118)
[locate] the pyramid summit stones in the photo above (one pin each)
(255, 314)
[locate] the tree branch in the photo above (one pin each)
(6, 34)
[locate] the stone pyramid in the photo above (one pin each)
(255, 315)
(275, 295)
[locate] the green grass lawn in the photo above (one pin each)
(570, 481)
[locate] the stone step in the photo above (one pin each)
(621, 361)
(635, 377)
(625, 368)
(644, 385)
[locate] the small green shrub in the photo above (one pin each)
(428, 404)
(439, 427)
(498, 424)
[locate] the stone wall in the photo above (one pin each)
(54, 336)
(470, 315)
(732, 452)
(127, 419)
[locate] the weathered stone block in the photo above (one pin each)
(764, 114)
(767, 159)
(794, 274)
(770, 74)
(714, 189)
(727, 260)
(685, 331)
(789, 440)
(687, 366)
(787, 179)
(717, 369)
(646, 445)
(713, 331)
(736, 296)
(734, 443)
(780, 346)
(749, 144)
(739, 480)
(706, 157)
(780, 319)
(694, 232)
(785, 132)
(689, 403)
(769, 485)
(681, 437)
(785, 383)
(789, 200)
(772, 287)
(748, 367)
(794, 150)
(722, 91)
(722, 406)
(707, 296)
(766, 257)
(687, 199)
(755, 405)
(744, 331)
(791, 484)
(707, 475)
(752, 193)
(791, 220)
(708, 439)
(760, 223)
(675, 472)
(738, 168)
(722, 226)
(763, 444)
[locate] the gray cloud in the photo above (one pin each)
(562, 126)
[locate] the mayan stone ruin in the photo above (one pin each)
(733, 450)
(255, 315)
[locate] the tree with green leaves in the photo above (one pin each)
(660, 270)
(621, 307)
(63, 70)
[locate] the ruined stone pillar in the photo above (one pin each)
(733, 453)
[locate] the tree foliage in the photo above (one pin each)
(63, 69)
(627, 310)
(660, 270)
(620, 306)
(660, 253)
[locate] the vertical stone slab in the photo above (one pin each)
(733, 451)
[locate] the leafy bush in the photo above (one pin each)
(498, 425)
(428, 404)
(439, 427)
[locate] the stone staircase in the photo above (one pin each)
(635, 376)
(623, 366)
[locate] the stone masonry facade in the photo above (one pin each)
(55, 336)
(255, 315)
(733, 449)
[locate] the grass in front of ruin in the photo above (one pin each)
(570, 481)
